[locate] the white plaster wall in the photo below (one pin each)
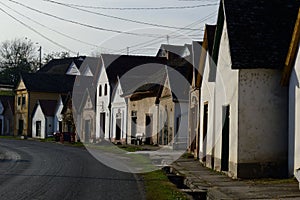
(118, 104)
(103, 100)
(38, 116)
(294, 117)
(207, 96)
(262, 116)
(226, 93)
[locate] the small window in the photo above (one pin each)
(100, 90)
(19, 100)
(105, 89)
(23, 100)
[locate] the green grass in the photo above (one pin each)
(158, 187)
(10, 137)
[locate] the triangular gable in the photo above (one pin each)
(87, 71)
(166, 92)
(73, 70)
(117, 93)
(21, 85)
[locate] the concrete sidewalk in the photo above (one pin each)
(219, 186)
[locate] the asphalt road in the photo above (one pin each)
(38, 170)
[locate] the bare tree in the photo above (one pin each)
(17, 56)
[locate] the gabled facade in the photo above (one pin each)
(87, 117)
(173, 103)
(34, 87)
(114, 66)
(43, 119)
(118, 120)
(206, 114)
(249, 137)
(6, 115)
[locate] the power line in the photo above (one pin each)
(40, 34)
(82, 24)
(60, 33)
(119, 18)
(138, 8)
(155, 41)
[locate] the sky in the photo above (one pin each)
(91, 27)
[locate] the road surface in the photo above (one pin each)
(39, 170)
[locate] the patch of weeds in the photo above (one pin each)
(158, 187)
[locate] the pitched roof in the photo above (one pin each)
(60, 66)
(52, 83)
(175, 49)
(8, 102)
(118, 65)
(48, 107)
(259, 31)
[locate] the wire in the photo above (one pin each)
(119, 18)
(60, 33)
(40, 34)
(85, 25)
(136, 8)
(155, 41)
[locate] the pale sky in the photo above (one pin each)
(94, 40)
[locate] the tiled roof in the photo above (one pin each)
(52, 83)
(260, 31)
(60, 66)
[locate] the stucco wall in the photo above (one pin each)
(226, 94)
(119, 108)
(207, 97)
(262, 120)
(102, 104)
(38, 116)
(294, 117)
(143, 107)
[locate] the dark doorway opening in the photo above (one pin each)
(205, 125)
(118, 128)
(225, 139)
(21, 127)
(133, 129)
(102, 125)
(38, 128)
(60, 126)
(149, 129)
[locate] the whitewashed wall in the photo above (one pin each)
(207, 97)
(38, 116)
(102, 104)
(294, 117)
(226, 93)
(118, 105)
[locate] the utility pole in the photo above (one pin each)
(40, 50)
(168, 37)
(127, 50)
